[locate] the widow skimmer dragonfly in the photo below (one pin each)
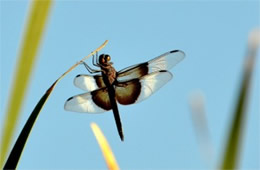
(128, 86)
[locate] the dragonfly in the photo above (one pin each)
(106, 87)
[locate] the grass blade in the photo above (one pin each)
(105, 148)
(234, 141)
(29, 48)
(17, 150)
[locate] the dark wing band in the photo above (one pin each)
(137, 90)
(128, 92)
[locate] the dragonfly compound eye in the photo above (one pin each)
(108, 57)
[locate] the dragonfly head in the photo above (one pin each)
(104, 59)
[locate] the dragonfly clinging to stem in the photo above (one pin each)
(127, 86)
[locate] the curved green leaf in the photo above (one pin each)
(233, 145)
(17, 150)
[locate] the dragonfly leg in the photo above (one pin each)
(90, 69)
(95, 63)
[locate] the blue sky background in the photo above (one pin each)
(158, 132)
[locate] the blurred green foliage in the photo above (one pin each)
(36, 23)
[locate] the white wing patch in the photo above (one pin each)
(85, 82)
(82, 103)
(166, 61)
(152, 82)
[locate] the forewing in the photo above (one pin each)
(89, 83)
(166, 61)
(137, 90)
(163, 62)
(92, 102)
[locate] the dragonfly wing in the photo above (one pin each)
(163, 62)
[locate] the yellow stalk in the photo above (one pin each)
(105, 148)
